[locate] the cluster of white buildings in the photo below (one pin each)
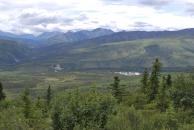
(58, 68)
(128, 73)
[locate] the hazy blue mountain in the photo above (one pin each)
(12, 52)
(137, 35)
(89, 50)
(8, 35)
(47, 35)
(23, 38)
(98, 35)
(72, 36)
(174, 48)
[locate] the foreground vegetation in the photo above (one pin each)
(163, 102)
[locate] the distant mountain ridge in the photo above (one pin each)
(99, 48)
(57, 37)
(8, 35)
(98, 35)
(137, 35)
(70, 36)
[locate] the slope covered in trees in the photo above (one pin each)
(162, 103)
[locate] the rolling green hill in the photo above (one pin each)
(173, 52)
(121, 50)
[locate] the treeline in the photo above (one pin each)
(163, 102)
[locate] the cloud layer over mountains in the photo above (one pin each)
(36, 16)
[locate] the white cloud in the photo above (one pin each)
(36, 16)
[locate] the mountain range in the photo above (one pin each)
(98, 49)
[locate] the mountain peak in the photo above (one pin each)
(73, 36)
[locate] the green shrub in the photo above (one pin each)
(83, 110)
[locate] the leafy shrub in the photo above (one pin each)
(83, 110)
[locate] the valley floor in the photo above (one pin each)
(16, 81)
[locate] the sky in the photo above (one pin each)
(37, 16)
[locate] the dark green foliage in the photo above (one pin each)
(86, 111)
(12, 119)
(169, 80)
(48, 96)
(41, 107)
(172, 121)
(125, 119)
(154, 80)
(172, 107)
(163, 100)
(137, 99)
(117, 90)
(26, 103)
(2, 94)
(56, 118)
(133, 119)
(182, 93)
(145, 81)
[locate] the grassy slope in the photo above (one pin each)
(173, 52)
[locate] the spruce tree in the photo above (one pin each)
(2, 94)
(145, 81)
(26, 103)
(117, 91)
(163, 101)
(169, 80)
(154, 80)
(48, 96)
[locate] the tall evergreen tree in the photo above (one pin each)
(163, 100)
(154, 80)
(2, 94)
(49, 95)
(169, 80)
(26, 103)
(145, 80)
(117, 91)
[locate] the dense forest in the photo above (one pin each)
(163, 102)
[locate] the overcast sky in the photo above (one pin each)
(36, 16)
